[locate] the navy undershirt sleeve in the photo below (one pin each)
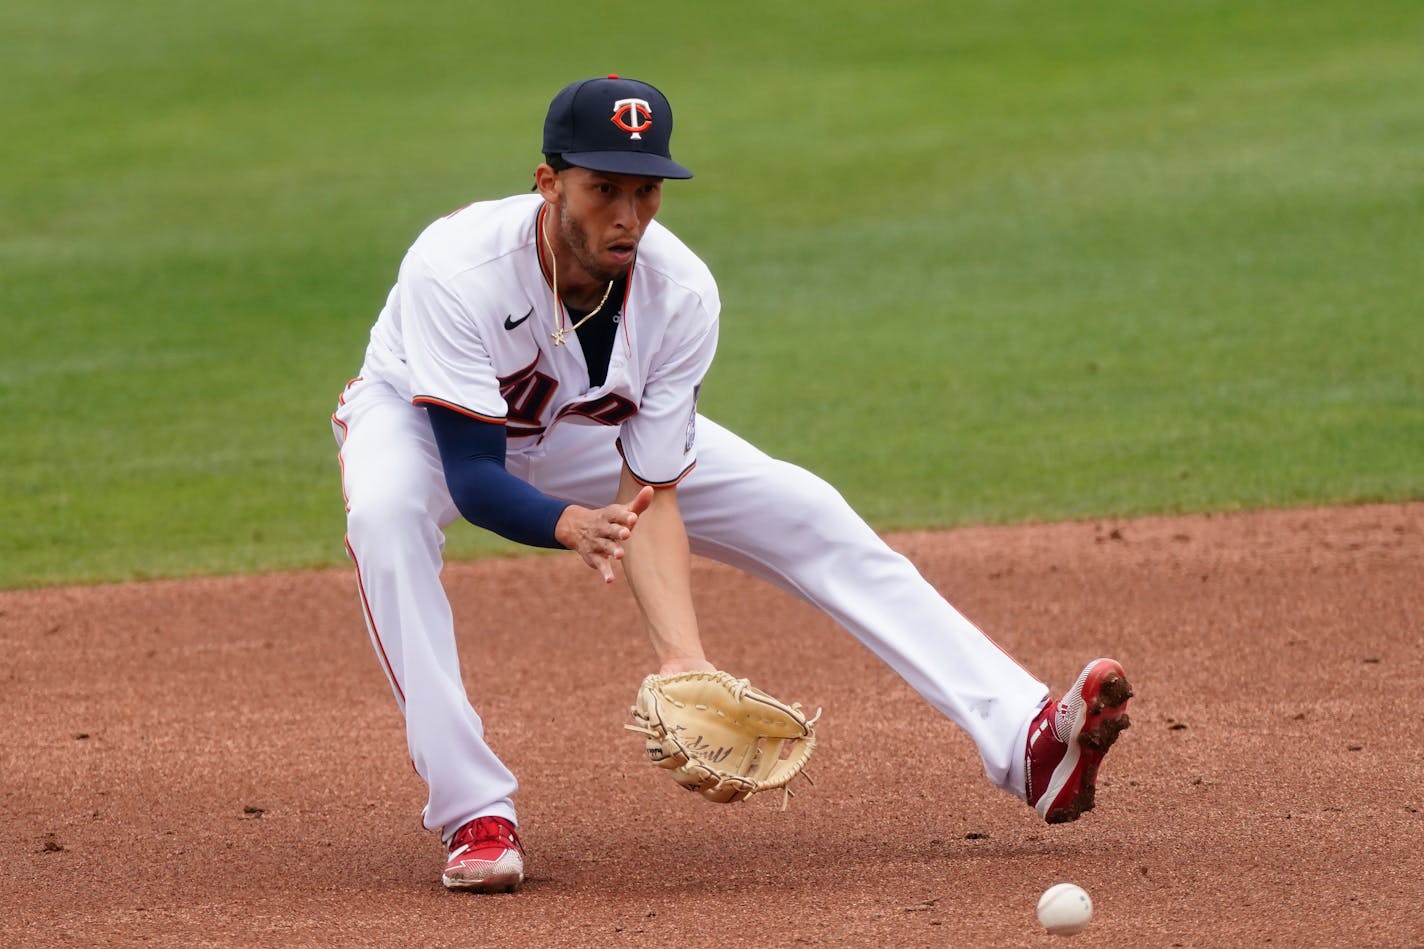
(486, 494)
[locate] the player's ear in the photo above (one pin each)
(546, 182)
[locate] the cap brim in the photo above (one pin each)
(628, 163)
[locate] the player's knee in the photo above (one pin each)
(386, 518)
(808, 501)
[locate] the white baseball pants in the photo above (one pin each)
(741, 507)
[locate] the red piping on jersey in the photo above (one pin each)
(560, 311)
(340, 401)
(627, 292)
(618, 444)
(459, 209)
(539, 254)
(431, 400)
(371, 623)
(360, 584)
(1008, 655)
(345, 498)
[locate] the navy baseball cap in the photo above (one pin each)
(617, 125)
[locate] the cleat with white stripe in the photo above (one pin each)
(1068, 739)
(485, 857)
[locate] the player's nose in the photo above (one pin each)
(625, 214)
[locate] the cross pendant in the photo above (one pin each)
(558, 336)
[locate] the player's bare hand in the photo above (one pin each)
(597, 535)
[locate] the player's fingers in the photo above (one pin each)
(603, 545)
(640, 503)
(610, 531)
(605, 564)
(599, 560)
(620, 520)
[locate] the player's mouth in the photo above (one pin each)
(622, 253)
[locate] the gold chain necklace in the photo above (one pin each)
(560, 333)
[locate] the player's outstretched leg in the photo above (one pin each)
(784, 524)
(1068, 738)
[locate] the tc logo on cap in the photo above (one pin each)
(633, 116)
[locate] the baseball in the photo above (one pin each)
(1065, 909)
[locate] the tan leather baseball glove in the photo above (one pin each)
(720, 736)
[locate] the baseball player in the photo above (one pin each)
(536, 370)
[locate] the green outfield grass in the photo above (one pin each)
(980, 262)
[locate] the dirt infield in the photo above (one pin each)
(220, 762)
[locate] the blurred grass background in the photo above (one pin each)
(980, 262)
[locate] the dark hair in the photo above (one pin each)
(555, 162)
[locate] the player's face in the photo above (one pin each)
(602, 217)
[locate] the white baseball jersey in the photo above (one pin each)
(468, 326)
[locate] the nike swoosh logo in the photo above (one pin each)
(510, 322)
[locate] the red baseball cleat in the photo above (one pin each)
(485, 857)
(1067, 741)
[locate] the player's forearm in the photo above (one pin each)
(658, 566)
(472, 455)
